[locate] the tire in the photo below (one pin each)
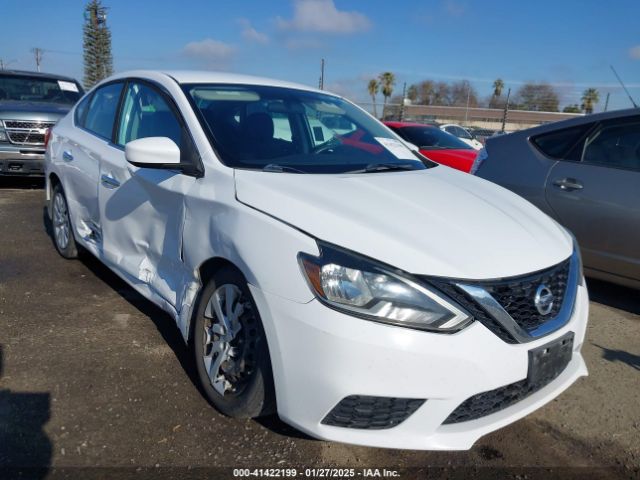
(241, 383)
(62, 231)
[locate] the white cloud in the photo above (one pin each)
(323, 16)
(212, 52)
(634, 52)
(251, 34)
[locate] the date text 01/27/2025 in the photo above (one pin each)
(315, 472)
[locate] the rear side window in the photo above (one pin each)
(102, 110)
(559, 143)
(616, 146)
(81, 111)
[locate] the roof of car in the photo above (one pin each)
(408, 124)
(594, 117)
(205, 76)
(26, 73)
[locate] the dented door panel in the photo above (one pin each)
(142, 214)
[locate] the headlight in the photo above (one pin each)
(358, 286)
(3, 136)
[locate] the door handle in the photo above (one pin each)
(109, 182)
(66, 156)
(568, 184)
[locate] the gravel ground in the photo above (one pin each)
(93, 375)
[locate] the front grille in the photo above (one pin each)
(26, 138)
(371, 413)
(486, 403)
(27, 124)
(515, 294)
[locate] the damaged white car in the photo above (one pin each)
(316, 265)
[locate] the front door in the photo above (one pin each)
(142, 210)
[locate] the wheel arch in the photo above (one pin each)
(205, 271)
(52, 180)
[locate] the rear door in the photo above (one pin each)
(598, 197)
(79, 157)
(142, 210)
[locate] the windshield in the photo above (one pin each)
(430, 138)
(39, 89)
(288, 130)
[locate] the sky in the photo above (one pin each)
(568, 43)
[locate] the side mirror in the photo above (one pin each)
(153, 152)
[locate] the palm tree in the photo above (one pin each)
(589, 98)
(373, 91)
(498, 85)
(387, 81)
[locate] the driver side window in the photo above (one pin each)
(146, 113)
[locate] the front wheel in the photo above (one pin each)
(230, 348)
(62, 232)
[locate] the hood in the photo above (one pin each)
(17, 110)
(437, 221)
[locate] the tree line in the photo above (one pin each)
(534, 96)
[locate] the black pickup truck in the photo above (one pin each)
(30, 103)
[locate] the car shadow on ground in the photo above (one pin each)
(619, 356)
(613, 295)
(22, 183)
(25, 448)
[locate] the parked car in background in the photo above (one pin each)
(328, 272)
(463, 134)
(585, 173)
(436, 144)
(481, 134)
(30, 103)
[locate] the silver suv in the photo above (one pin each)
(29, 104)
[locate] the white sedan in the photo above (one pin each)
(463, 134)
(315, 265)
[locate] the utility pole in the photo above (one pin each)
(606, 102)
(37, 52)
(321, 82)
(404, 98)
(1, 64)
(466, 112)
(506, 110)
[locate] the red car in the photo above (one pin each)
(436, 145)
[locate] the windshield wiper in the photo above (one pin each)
(274, 167)
(384, 167)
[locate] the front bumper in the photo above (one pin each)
(21, 162)
(321, 356)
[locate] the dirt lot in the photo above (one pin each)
(95, 376)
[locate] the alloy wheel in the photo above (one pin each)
(229, 341)
(61, 226)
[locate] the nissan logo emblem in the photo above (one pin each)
(543, 300)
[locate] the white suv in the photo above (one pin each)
(314, 263)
